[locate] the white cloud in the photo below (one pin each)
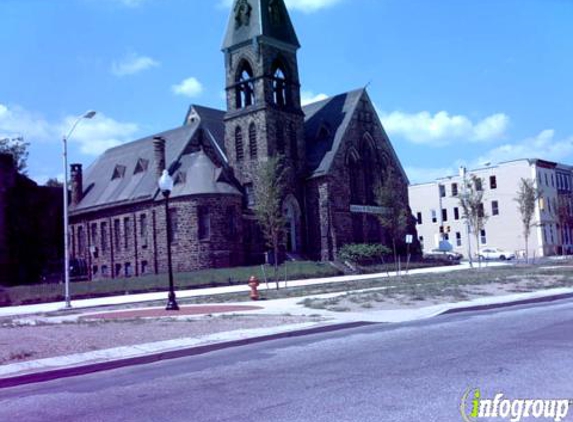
(92, 136)
(442, 128)
(543, 146)
(307, 97)
(307, 6)
(96, 135)
(190, 87)
(15, 121)
(132, 64)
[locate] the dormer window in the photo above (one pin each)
(180, 178)
(141, 166)
(118, 172)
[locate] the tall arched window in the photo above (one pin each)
(280, 138)
(253, 141)
(293, 142)
(279, 86)
(370, 161)
(244, 88)
(355, 174)
(239, 144)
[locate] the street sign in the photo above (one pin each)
(409, 239)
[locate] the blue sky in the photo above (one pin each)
(455, 81)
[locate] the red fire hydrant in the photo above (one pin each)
(253, 284)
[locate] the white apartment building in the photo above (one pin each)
(437, 204)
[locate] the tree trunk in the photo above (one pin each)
(477, 250)
(526, 249)
(395, 255)
(276, 253)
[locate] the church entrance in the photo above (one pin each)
(292, 214)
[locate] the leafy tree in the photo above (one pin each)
(391, 196)
(564, 216)
(269, 192)
(53, 183)
(18, 148)
(471, 202)
(527, 197)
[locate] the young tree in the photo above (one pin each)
(527, 197)
(471, 202)
(269, 193)
(391, 196)
(18, 148)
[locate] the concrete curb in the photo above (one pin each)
(519, 302)
(43, 376)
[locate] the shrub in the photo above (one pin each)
(363, 253)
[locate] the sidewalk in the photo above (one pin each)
(150, 297)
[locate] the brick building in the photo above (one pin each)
(336, 150)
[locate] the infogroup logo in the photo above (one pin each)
(475, 407)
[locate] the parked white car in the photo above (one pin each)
(495, 253)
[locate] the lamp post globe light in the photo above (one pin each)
(166, 186)
(87, 115)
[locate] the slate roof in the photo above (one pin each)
(260, 24)
(200, 173)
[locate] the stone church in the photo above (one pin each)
(336, 151)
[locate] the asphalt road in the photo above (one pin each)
(383, 373)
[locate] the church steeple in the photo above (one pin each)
(253, 19)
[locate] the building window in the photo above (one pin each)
(483, 237)
(126, 232)
(494, 208)
(104, 271)
(552, 181)
(128, 270)
(94, 271)
(481, 211)
(250, 192)
(454, 189)
(279, 87)
(444, 215)
(143, 229)
(280, 138)
(456, 213)
(144, 267)
(93, 234)
(118, 270)
(458, 239)
(419, 217)
(117, 233)
(546, 180)
(253, 141)
(245, 89)
(478, 184)
(204, 223)
(81, 240)
(421, 239)
(442, 191)
(434, 216)
(103, 237)
(492, 182)
(239, 144)
(174, 224)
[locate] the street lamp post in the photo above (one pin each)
(88, 115)
(166, 186)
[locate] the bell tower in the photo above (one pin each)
(264, 116)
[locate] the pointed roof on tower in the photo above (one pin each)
(267, 19)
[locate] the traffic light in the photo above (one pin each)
(441, 229)
(449, 229)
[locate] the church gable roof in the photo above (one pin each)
(251, 19)
(325, 124)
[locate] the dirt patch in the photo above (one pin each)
(20, 343)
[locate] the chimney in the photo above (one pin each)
(159, 155)
(77, 182)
